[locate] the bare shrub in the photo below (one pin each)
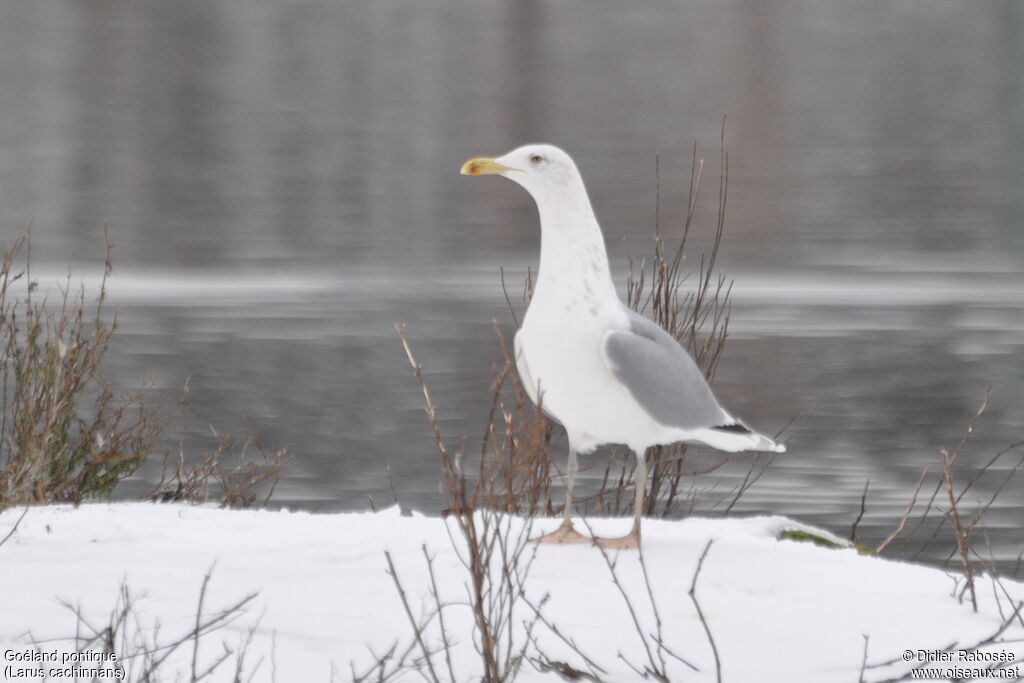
(145, 653)
(951, 513)
(492, 547)
(64, 435)
(515, 455)
(228, 474)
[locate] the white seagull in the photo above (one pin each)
(606, 373)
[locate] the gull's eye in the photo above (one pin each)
(536, 159)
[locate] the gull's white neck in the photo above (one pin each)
(572, 251)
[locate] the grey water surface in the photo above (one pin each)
(280, 180)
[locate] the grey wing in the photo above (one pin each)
(661, 376)
(524, 370)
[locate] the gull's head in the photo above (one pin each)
(540, 169)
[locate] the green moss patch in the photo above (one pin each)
(804, 536)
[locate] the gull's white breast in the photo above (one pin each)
(560, 344)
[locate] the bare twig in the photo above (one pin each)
(962, 540)
(594, 667)
(14, 528)
(445, 639)
(749, 480)
(652, 665)
(659, 636)
(700, 613)
(199, 621)
(140, 649)
(564, 670)
(659, 631)
(952, 647)
(417, 629)
(863, 659)
(906, 514)
(428, 403)
(860, 514)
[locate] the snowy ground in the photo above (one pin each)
(776, 610)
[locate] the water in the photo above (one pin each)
(281, 183)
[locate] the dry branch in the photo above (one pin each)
(700, 613)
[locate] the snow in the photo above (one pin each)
(778, 610)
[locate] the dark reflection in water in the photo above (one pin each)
(280, 180)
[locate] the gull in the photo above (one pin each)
(607, 374)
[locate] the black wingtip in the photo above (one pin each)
(735, 428)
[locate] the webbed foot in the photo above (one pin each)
(566, 533)
(630, 541)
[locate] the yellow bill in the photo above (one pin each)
(483, 166)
